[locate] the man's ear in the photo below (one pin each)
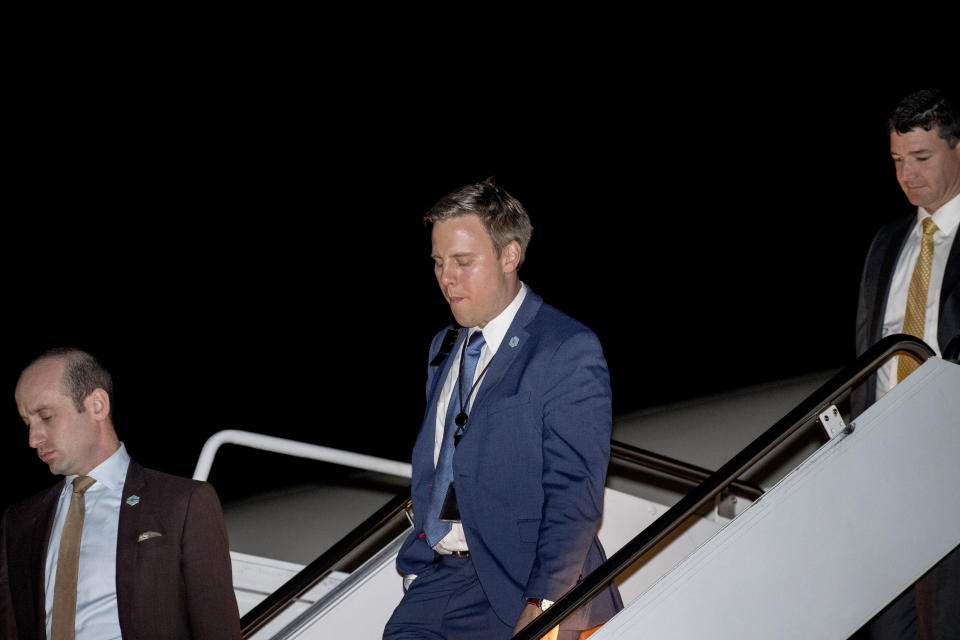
(98, 404)
(510, 257)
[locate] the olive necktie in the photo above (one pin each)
(65, 588)
(914, 320)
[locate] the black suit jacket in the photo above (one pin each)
(174, 586)
(875, 289)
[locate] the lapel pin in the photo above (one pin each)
(133, 500)
(514, 341)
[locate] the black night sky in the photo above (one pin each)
(241, 243)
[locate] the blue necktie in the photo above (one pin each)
(433, 526)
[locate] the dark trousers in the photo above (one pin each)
(928, 610)
(446, 602)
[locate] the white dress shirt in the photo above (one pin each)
(493, 334)
(97, 615)
(947, 219)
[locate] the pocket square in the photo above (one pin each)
(146, 535)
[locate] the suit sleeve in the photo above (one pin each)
(577, 421)
(206, 569)
(8, 626)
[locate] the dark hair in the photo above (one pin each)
(501, 214)
(928, 109)
(82, 374)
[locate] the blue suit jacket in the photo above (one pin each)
(530, 468)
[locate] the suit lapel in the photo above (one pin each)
(423, 448)
(43, 528)
(951, 277)
(441, 373)
(49, 511)
(884, 271)
(127, 544)
(507, 354)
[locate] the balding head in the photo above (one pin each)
(70, 436)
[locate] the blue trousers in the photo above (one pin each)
(446, 602)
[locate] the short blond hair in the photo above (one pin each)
(501, 214)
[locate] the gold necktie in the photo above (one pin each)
(914, 320)
(65, 588)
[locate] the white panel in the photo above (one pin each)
(835, 540)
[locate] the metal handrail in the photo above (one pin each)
(677, 468)
(311, 574)
(801, 415)
(294, 448)
(316, 570)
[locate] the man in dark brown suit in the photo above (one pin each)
(168, 574)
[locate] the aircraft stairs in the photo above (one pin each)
(816, 555)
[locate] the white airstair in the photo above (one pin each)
(834, 541)
(870, 509)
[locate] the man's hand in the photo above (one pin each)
(530, 612)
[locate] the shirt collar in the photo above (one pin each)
(111, 473)
(494, 330)
(946, 217)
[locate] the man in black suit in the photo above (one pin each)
(154, 560)
(924, 133)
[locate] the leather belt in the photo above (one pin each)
(453, 554)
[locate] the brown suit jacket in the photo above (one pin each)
(177, 585)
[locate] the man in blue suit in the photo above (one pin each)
(510, 462)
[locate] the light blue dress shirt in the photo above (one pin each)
(97, 615)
